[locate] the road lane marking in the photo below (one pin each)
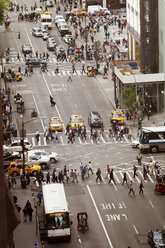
(135, 229)
(40, 117)
(101, 221)
(46, 83)
(151, 204)
(118, 181)
(124, 204)
(29, 38)
(103, 140)
(130, 178)
(126, 138)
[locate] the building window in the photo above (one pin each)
(147, 40)
(146, 5)
(147, 17)
(147, 28)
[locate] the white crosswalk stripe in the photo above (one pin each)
(102, 140)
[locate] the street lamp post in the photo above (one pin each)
(23, 136)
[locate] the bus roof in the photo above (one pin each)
(54, 198)
(154, 129)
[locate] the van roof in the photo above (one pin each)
(46, 16)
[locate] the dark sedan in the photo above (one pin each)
(26, 49)
(95, 120)
(156, 238)
(35, 62)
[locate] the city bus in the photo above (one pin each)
(152, 139)
(55, 223)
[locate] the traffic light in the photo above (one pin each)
(140, 122)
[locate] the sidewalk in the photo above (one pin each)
(25, 234)
(107, 86)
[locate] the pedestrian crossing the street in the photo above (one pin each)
(63, 140)
(118, 177)
(52, 60)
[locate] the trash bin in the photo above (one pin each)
(2, 74)
(14, 132)
(98, 66)
(23, 183)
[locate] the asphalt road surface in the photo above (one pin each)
(115, 219)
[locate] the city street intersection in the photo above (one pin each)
(116, 220)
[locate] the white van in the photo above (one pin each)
(93, 9)
(46, 21)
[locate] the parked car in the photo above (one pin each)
(43, 161)
(135, 143)
(35, 61)
(16, 146)
(68, 38)
(105, 11)
(58, 17)
(37, 32)
(45, 36)
(59, 50)
(61, 21)
(156, 238)
(52, 39)
(95, 119)
(26, 49)
(64, 29)
(15, 168)
(49, 4)
(52, 156)
(51, 46)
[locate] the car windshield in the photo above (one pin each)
(29, 165)
(55, 121)
(96, 116)
(76, 120)
(117, 116)
(57, 220)
(159, 236)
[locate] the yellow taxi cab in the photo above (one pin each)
(55, 124)
(78, 12)
(83, 11)
(15, 168)
(76, 120)
(41, 11)
(117, 116)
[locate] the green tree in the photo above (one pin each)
(3, 7)
(129, 97)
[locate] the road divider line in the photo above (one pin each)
(130, 178)
(46, 83)
(29, 38)
(101, 221)
(135, 229)
(151, 204)
(38, 111)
